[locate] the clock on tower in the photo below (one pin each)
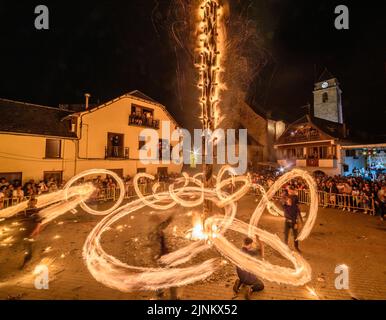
(327, 100)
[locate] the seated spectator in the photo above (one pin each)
(2, 196)
(3, 182)
(52, 186)
(42, 187)
(18, 194)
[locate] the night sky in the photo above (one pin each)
(109, 48)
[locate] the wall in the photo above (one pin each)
(114, 118)
(21, 153)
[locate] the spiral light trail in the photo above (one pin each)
(187, 192)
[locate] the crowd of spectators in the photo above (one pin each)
(12, 192)
(354, 193)
(351, 193)
(143, 119)
(106, 187)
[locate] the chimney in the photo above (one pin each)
(87, 96)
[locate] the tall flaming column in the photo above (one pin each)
(209, 68)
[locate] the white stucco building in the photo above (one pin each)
(39, 142)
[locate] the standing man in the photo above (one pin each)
(115, 143)
(291, 215)
(253, 283)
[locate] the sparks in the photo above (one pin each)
(210, 47)
(210, 232)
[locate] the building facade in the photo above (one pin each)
(262, 129)
(322, 143)
(39, 142)
(312, 144)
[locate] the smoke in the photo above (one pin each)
(244, 57)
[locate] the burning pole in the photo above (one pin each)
(209, 68)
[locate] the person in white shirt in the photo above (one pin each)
(18, 193)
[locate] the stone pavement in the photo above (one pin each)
(354, 239)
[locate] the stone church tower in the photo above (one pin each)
(328, 98)
(261, 130)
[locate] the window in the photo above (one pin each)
(139, 170)
(323, 152)
(163, 148)
(139, 111)
(54, 176)
(299, 153)
(142, 116)
(71, 124)
(14, 178)
(291, 153)
(325, 97)
(53, 148)
(141, 142)
(115, 145)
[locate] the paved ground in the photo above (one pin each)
(354, 239)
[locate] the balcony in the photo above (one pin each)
(311, 162)
(320, 163)
(119, 152)
(143, 121)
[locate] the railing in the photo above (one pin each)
(325, 199)
(335, 200)
(143, 122)
(309, 162)
(116, 152)
(332, 200)
(100, 194)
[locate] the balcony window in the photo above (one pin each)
(141, 142)
(115, 146)
(164, 149)
(144, 117)
(53, 148)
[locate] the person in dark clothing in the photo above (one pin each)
(115, 143)
(32, 212)
(161, 238)
(291, 215)
(253, 283)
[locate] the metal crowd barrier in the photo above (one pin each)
(325, 199)
(332, 200)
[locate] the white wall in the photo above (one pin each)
(26, 154)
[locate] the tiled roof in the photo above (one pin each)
(27, 118)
